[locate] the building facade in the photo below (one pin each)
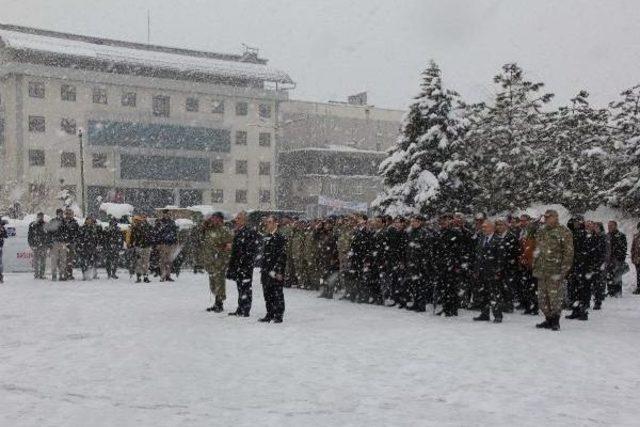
(159, 126)
(329, 154)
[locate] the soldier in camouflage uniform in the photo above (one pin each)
(216, 250)
(286, 230)
(298, 250)
(311, 256)
(551, 265)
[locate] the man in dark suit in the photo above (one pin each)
(488, 271)
(273, 264)
(243, 255)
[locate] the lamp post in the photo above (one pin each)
(83, 205)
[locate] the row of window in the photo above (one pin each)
(217, 196)
(38, 124)
(99, 161)
(67, 159)
(161, 104)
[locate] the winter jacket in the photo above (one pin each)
(554, 252)
(141, 235)
(510, 251)
(37, 236)
(246, 243)
(274, 256)
(112, 239)
(635, 249)
(70, 231)
(56, 230)
(418, 254)
(328, 252)
(3, 235)
(166, 232)
(87, 241)
(618, 242)
(527, 250)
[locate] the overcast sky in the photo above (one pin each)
(333, 48)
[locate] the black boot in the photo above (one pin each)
(146, 279)
(584, 315)
(637, 291)
(138, 280)
(482, 318)
(555, 324)
(574, 314)
(544, 325)
(218, 307)
(265, 319)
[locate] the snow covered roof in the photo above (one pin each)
(181, 60)
(340, 149)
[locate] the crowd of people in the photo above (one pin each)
(493, 266)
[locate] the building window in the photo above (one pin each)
(99, 161)
(264, 110)
(242, 108)
(265, 196)
(217, 106)
(68, 126)
(241, 167)
(241, 137)
(36, 157)
(264, 168)
(68, 93)
(36, 124)
(129, 99)
(217, 196)
(99, 95)
(161, 106)
(68, 160)
(192, 105)
(217, 166)
(264, 139)
(241, 196)
(36, 89)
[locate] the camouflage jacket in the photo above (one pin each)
(554, 252)
(215, 250)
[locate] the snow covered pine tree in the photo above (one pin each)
(505, 139)
(625, 192)
(426, 171)
(578, 167)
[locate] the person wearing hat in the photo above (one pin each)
(217, 243)
(552, 262)
(141, 240)
(38, 242)
(3, 235)
(112, 240)
(56, 236)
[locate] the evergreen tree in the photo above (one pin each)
(625, 191)
(577, 167)
(506, 139)
(427, 171)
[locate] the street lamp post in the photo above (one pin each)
(83, 205)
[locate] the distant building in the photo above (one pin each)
(162, 126)
(328, 154)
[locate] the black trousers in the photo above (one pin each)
(491, 294)
(273, 295)
(449, 295)
(583, 285)
(245, 294)
(111, 262)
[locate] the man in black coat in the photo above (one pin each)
(616, 257)
(3, 235)
(449, 263)
(394, 262)
(112, 240)
(243, 253)
(273, 264)
(360, 246)
(489, 268)
(510, 248)
(166, 235)
(38, 242)
(70, 235)
(418, 258)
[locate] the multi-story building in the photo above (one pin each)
(160, 126)
(329, 154)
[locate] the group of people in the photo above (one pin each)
(68, 245)
(493, 266)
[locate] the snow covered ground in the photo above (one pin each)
(113, 353)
